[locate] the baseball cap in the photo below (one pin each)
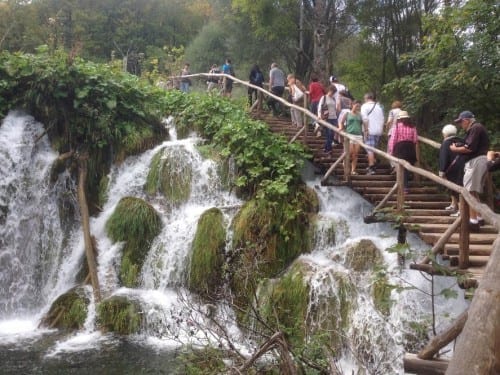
(464, 115)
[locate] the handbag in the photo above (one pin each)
(297, 93)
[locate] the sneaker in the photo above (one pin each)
(450, 208)
(481, 222)
(455, 214)
(371, 171)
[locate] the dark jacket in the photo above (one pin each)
(452, 164)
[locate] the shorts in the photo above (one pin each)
(357, 137)
(474, 173)
(372, 140)
(228, 85)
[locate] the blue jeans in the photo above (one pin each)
(329, 134)
(184, 87)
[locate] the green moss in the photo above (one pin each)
(68, 311)
(381, 294)
(363, 256)
(120, 315)
(137, 223)
(283, 305)
(103, 191)
(205, 273)
(171, 174)
(268, 236)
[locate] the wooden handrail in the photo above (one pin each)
(487, 214)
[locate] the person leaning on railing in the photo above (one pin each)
(475, 148)
(493, 158)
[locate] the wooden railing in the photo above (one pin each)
(478, 349)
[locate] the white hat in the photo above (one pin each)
(449, 130)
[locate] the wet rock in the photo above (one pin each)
(119, 314)
(363, 256)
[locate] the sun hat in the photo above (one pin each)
(403, 114)
(464, 115)
(449, 130)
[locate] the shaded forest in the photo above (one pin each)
(437, 56)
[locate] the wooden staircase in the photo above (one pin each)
(424, 204)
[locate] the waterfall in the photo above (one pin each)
(41, 247)
(34, 242)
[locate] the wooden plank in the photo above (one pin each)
(474, 249)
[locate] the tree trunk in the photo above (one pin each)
(84, 211)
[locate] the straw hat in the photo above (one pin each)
(403, 114)
(449, 130)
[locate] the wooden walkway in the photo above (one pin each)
(424, 205)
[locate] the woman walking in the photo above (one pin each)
(403, 142)
(352, 123)
(297, 92)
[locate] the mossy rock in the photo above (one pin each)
(283, 304)
(381, 295)
(137, 223)
(268, 236)
(329, 231)
(208, 245)
(119, 314)
(138, 139)
(68, 311)
(363, 256)
(171, 174)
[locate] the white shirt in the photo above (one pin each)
(374, 118)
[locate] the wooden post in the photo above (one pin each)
(417, 164)
(87, 238)
(490, 201)
(347, 160)
(463, 252)
(414, 365)
(400, 181)
(305, 119)
(478, 347)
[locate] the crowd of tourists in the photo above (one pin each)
(463, 161)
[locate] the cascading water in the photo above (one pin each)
(40, 254)
(34, 241)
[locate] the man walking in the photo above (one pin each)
(373, 126)
(475, 148)
(277, 87)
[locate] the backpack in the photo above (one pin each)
(259, 78)
(324, 108)
(231, 71)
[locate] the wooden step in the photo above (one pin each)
(427, 212)
(474, 249)
(421, 204)
(474, 238)
(441, 228)
(429, 219)
(474, 260)
(410, 197)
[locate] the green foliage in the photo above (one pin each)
(456, 66)
(266, 164)
(137, 223)
(68, 311)
(381, 292)
(205, 361)
(170, 173)
(268, 236)
(205, 273)
(120, 315)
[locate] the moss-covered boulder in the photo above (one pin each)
(330, 231)
(171, 174)
(119, 314)
(205, 271)
(137, 223)
(268, 236)
(68, 311)
(363, 256)
(283, 303)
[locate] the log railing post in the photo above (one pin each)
(347, 160)
(416, 176)
(490, 200)
(400, 201)
(463, 247)
(305, 119)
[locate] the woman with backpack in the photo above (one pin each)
(297, 92)
(327, 110)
